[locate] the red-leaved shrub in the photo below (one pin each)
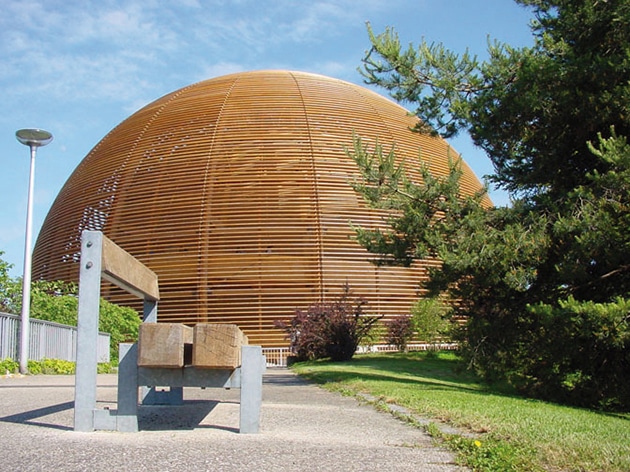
(329, 330)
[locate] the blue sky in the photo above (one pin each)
(77, 68)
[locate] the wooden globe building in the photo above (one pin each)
(235, 191)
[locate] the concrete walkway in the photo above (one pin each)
(303, 428)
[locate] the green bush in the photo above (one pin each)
(9, 366)
(105, 368)
(122, 324)
(54, 301)
(57, 367)
(50, 367)
(431, 319)
(58, 302)
(34, 367)
(573, 352)
(581, 354)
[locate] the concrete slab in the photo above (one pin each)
(303, 428)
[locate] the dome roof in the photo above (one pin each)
(235, 191)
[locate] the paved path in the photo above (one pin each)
(304, 428)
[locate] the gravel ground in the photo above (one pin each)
(303, 428)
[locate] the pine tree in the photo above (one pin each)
(553, 119)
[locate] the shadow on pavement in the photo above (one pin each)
(283, 378)
(188, 416)
(27, 417)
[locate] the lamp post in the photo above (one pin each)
(32, 138)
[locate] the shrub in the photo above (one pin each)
(34, 367)
(49, 367)
(431, 319)
(122, 324)
(329, 330)
(54, 301)
(9, 366)
(10, 290)
(580, 354)
(57, 367)
(400, 331)
(58, 302)
(105, 368)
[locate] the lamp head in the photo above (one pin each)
(33, 137)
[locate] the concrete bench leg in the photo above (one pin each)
(252, 367)
(127, 415)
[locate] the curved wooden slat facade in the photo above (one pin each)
(235, 192)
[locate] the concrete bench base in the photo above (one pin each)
(247, 377)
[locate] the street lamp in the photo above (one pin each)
(32, 138)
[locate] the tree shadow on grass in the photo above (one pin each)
(426, 371)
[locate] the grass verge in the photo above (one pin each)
(497, 430)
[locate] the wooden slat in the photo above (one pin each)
(164, 345)
(122, 269)
(217, 346)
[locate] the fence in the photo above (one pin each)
(410, 347)
(48, 340)
(56, 341)
(276, 356)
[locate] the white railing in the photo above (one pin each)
(410, 347)
(48, 340)
(276, 356)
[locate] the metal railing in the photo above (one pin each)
(48, 340)
(276, 356)
(56, 341)
(442, 346)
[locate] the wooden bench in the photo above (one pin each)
(174, 345)
(170, 355)
(174, 356)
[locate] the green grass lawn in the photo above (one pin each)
(500, 431)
